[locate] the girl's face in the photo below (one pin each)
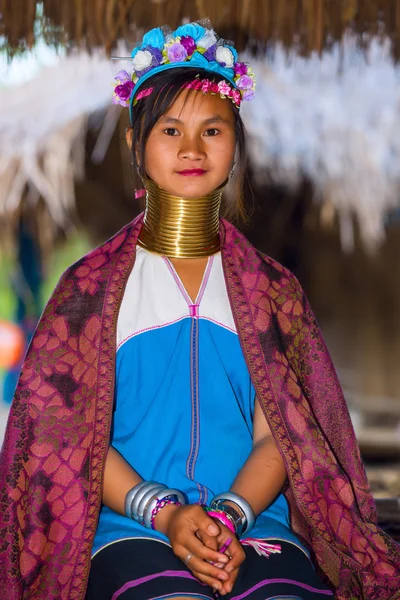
(190, 150)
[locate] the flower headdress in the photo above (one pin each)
(193, 45)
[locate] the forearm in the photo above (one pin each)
(119, 478)
(262, 476)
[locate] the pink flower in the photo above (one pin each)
(240, 69)
(214, 87)
(236, 97)
(244, 82)
(177, 53)
(206, 86)
(189, 44)
(224, 88)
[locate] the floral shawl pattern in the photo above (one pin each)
(51, 464)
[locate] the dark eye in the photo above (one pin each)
(212, 132)
(171, 131)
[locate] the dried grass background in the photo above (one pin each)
(311, 24)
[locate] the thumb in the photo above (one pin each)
(208, 526)
(212, 528)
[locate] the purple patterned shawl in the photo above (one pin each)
(51, 465)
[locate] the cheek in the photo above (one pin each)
(224, 153)
(156, 154)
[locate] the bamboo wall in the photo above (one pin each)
(312, 24)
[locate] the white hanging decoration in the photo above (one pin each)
(335, 119)
(43, 130)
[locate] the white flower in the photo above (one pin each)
(224, 55)
(208, 39)
(142, 60)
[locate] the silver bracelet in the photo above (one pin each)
(235, 515)
(243, 505)
(148, 495)
(130, 497)
(139, 496)
(166, 493)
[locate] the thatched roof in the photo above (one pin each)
(312, 24)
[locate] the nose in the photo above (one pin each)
(192, 149)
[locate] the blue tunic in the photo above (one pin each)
(184, 399)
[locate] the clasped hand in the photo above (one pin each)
(193, 533)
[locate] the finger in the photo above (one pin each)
(197, 548)
(237, 554)
(198, 565)
(227, 586)
(208, 526)
(215, 584)
(208, 540)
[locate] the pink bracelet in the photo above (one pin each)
(160, 504)
(223, 518)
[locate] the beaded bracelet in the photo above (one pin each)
(222, 518)
(160, 504)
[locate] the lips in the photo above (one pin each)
(192, 172)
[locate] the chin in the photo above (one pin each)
(193, 189)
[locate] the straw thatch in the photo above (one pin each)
(311, 24)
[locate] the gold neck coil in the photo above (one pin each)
(180, 227)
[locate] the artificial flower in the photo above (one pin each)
(189, 44)
(206, 86)
(240, 69)
(209, 39)
(154, 38)
(122, 76)
(225, 56)
(142, 60)
(224, 88)
(248, 95)
(176, 52)
(209, 54)
(193, 30)
(236, 97)
(214, 87)
(244, 82)
(122, 93)
(156, 54)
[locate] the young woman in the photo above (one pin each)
(178, 429)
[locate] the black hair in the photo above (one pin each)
(167, 86)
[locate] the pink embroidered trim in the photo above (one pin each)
(178, 281)
(182, 288)
(151, 328)
(194, 310)
(204, 283)
(219, 323)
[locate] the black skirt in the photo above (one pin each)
(148, 569)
